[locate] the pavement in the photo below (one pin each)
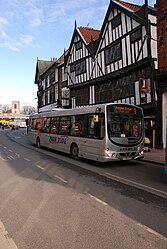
(155, 155)
(5, 241)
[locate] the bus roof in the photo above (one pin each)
(78, 110)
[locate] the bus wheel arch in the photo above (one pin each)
(74, 151)
(38, 144)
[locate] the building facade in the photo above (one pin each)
(51, 80)
(117, 63)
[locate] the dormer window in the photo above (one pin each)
(116, 21)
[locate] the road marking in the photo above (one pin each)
(98, 200)
(28, 160)
(18, 155)
(153, 190)
(9, 157)
(6, 242)
(38, 166)
(11, 150)
(3, 159)
(61, 179)
(152, 231)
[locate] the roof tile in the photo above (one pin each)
(130, 6)
(89, 34)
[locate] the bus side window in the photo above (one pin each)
(46, 125)
(96, 126)
(64, 128)
(77, 125)
(54, 127)
(33, 124)
(38, 125)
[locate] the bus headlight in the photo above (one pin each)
(109, 153)
(112, 155)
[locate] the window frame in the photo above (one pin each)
(136, 35)
(116, 21)
(80, 67)
(109, 52)
(78, 45)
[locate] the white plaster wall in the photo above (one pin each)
(153, 19)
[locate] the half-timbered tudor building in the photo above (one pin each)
(52, 84)
(41, 67)
(116, 64)
(80, 65)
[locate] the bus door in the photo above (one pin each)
(91, 146)
(62, 140)
(45, 131)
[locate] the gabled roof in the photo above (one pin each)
(44, 65)
(89, 34)
(41, 67)
(91, 37)
(61, 60)
(129, 9)
(130, 6)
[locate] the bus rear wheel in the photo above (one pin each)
(74, 151)
(38, 142)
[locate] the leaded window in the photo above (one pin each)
(116, 21)
(72, 67)
(52, 95)
(81, 95)
(104, 92)
(46, 97)
(113, 53)
(52, 77)
(136, 35)
(80, 67)
(78, 45)
(124, 91)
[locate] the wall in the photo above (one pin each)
(164, 115)
(162, 34)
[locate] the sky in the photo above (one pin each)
(31, 29)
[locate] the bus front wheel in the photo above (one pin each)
(38, 142)
(74, 151)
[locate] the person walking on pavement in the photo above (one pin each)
(147, 144)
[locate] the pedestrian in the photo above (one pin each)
(147, 144)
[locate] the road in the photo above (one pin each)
(50, 201)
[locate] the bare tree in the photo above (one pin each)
(28, 109)
(6, 109)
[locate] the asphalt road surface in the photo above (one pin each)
(50, 201)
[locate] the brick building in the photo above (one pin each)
(161, 77)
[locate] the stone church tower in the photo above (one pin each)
(15, 107)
